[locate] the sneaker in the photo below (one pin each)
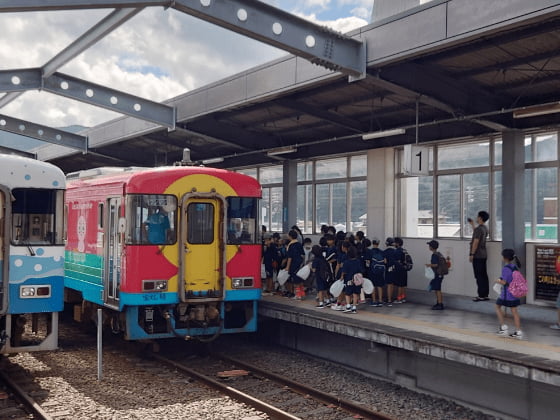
(438, 307)
(375, 304)
(337, 307)
(517, 334)
(480, 299)
(389, 304)
(503, 330)
(328, 303)
(347, 309)
(354, 311)
(398, 301)
(320, 305)
(555, 327)
(403, 300)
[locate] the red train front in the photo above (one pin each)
(169, 251)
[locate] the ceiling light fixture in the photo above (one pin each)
(535, 111)
(385, 133)
(281, 151)
(213, 160)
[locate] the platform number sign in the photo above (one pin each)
(415, 160)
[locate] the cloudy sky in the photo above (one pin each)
(157, 55)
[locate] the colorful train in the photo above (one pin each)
(32, 254)
(167, 252)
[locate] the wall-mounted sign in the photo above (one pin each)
(547, 272)
(415, 160)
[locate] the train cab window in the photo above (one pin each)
(151, 219)
(242, 220)
(37, 217)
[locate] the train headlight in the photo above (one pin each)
(242, 282)
(154, 285)
(37, 291)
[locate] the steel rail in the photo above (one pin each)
(29, 402)
(306, 390)
(272, 411)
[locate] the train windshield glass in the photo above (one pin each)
(242, 220)
(37, 216)
(151, 219)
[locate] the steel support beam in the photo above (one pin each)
(94, 34)
(326, 115)
(272, 26)
(44, 133)
(111, 99)
(14, 6)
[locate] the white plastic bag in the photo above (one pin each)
(263, 272)
(336, 288)
(497, 288)
(429, 273)
(283, 277)
(304, 272)
(367, 286)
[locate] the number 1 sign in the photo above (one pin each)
(415, 161)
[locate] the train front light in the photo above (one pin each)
(154, 285)
(242, 282)
(37, 291)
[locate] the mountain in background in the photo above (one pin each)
(19, 142)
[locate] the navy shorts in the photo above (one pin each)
(378, 278)
(352, 289)
(390, 277)
(509, 303)
(401, 278)
(321, 284)
(435, 284)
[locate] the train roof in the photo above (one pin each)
(22, 172)
(144, 176)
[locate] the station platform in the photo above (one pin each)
(458, 347)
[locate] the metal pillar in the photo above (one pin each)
(289, 195)
(513, 191)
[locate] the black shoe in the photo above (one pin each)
(437, 307)
(480, 299)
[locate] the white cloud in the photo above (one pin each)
(158, 54)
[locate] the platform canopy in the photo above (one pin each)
(444, 70)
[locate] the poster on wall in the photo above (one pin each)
(547, 272)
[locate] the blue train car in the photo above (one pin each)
(32, 253)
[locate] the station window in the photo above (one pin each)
(242, 220)
(467, 177)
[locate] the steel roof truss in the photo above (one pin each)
(20, 80)
(111, 99)
(13, 6)
(265, 23)
(44, 133)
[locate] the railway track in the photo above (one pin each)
(276, 395)
(18, 401)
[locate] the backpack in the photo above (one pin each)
(358, 279)
(407, 260)
(442, 267)
(518, 286)
(324, 270)
(377, 261)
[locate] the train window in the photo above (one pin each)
(242, 220)
(151, 219)
(100, 215)
(37, 217)
(200, 219)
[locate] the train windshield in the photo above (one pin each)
(242, 220)
(151, 219)
(37, 216)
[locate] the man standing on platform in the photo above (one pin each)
(478, 255)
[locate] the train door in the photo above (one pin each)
(113, 251)
(202, 262)
(4, 249)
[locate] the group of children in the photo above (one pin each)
(349, 258)
(338, 256)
